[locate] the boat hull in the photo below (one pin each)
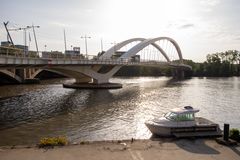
(202, 127)
(159, 130)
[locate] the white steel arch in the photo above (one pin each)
(118, 46)
(134, 50)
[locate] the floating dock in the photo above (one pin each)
(203, 128)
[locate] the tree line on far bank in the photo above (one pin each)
(222, 64)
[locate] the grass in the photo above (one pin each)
(234, 134)
(53, 141)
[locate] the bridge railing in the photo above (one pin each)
(16, 52)
(11, 53)
(12, 60)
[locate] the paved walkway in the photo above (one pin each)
(138, 150)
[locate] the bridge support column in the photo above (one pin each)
(87, 78)
(83, 80)
(178, 74)
(27, 76)
(101, 81)
(91, 83)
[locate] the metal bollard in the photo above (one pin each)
(226, 132)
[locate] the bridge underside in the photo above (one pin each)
(82, 74)
(6, 79)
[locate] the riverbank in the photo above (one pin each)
(169, 149)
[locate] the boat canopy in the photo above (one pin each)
(185, 110)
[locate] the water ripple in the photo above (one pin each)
(36, 111)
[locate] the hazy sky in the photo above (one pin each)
(199, 26)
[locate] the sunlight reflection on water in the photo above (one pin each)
(50, 110)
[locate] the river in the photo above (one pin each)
(30, 112)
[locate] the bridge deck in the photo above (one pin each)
(12, 61)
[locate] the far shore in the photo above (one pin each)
(166, 149)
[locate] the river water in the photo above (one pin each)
(29, 112)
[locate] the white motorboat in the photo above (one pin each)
(181, 122)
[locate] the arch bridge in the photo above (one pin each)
(158, 52)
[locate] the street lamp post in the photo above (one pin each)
(86, 37)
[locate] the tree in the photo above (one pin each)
(223, 64)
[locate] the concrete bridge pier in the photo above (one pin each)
(83, 80)
(26, 75)
(90, 83)
(178, 73)
(88, 78)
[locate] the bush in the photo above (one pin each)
(234, 134)
(82, 142)
(53, 141)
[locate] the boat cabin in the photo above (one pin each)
(186, 113)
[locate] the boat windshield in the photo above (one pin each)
(170, 116)
(179, 117)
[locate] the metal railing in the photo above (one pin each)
(16, 52)
(10, 52)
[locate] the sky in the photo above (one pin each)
(200, 27)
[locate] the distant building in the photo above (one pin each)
(18, 46)
(8, 48)
(74, 52)
(21, 47)
(118, 54)
(6, 43)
